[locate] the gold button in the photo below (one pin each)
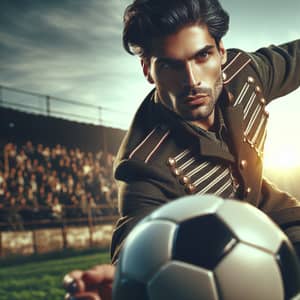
(243, 164)
(184, 180)
(263, 101)
(250, 79)
(171, 162)
(257, 89)
(224, 76)
(190, 188)
(248, 191)
(176, 172)
(230, 97)
(266, 113)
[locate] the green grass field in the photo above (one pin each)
(40, 278)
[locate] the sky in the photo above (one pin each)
(72, 49)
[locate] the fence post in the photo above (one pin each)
(100, 115)
(1, 252)
(34, 242)
(90, 224)
(104, 141)
(1, 95)
(48, 105)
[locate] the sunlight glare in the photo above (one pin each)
(281, 157)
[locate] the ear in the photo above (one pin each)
(146, 70)
(223, 52)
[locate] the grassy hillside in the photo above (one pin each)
(41, 278)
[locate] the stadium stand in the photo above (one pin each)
(55, 172)
(39, 182)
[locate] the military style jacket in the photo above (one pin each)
(162, 158)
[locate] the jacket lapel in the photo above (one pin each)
(234, 121)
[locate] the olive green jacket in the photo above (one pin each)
(152, 166)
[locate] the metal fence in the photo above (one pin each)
(62, 108)
(28, 218)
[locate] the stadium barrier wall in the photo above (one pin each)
(40, 241)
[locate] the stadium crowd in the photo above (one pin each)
(39, 182)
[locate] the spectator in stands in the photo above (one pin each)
(20, 178)
(70, 182)
(19, 193)
(21, 158)
(35, 176)
(57, 209)
(84, 205)
(32, 201)
(73, 209)
(41, 195)
(10, 155)
(29, 150)
(33, 183)
(2, 183)
(14, 219)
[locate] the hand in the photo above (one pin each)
(93, 284)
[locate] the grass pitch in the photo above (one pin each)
(40, 278)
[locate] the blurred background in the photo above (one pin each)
(68, 92)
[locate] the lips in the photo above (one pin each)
(197, 99)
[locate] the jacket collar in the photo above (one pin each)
(205, 146)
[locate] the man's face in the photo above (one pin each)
(186, 70)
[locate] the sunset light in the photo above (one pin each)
(281, 157)
(282, 148)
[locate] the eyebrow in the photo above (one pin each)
(176, 61)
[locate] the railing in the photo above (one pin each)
(57, 107)
(15, 219)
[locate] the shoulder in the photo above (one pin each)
(240, 66)
(145, 154)
(242, 79)
(237, 62)
(146, 134)
(146, 145)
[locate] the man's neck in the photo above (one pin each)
(208, 124)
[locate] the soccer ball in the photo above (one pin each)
(204, 247)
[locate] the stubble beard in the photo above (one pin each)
(203, 112)
(200, 113)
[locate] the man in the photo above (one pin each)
(202, 129)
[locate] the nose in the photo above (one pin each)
(191, 79)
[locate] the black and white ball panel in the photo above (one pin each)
(289, 266)
(192, 283)
(202, 241)
(207, 248)
(148, 247)
(248, 273)
(129, 288)
(178, 211)
(251, 225)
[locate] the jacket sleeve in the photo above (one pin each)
(273, 199)
(284, 210)
(278, 68)
(142, 189)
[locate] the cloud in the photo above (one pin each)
(72, 48)
(55, 41)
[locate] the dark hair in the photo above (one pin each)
(148, 19)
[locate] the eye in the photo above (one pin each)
(171, 66)
(164, 66)
(202, 56)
